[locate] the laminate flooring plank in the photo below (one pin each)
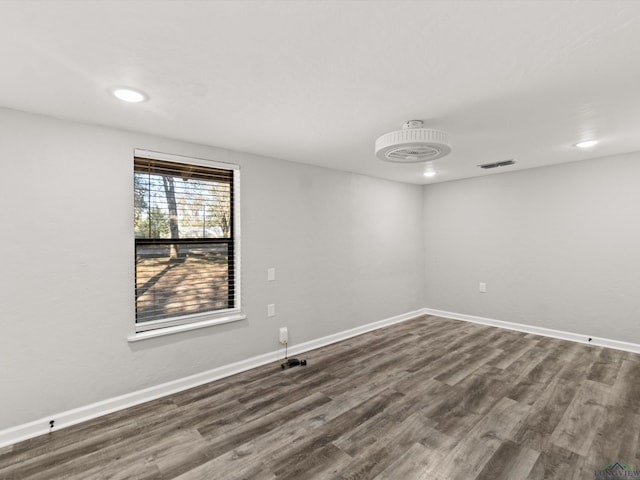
(428, 347)
(631, 357)
(275, 399)
(381, 367)
(171, 451)
(605, 369)
(352, 385)
(579, 364)
(365, 434)
(325, 462)
(474, 396)
(341, 425)
(471, 454)
(531, 385)
(466, 406)
(521, 367)
(467, 339)
(545, 415)
(443, 332)
(617, 439)
(55, 456)
(437, 441)
(412, 465)
(223, 443)
(249, 458)
(551, 344)
(136, 456)
(437, 364)
(430, 327)
(551, 364)
(336, 363)
(493, 338)
(511, 352)
(362, 392)
(578, 426)
(426, 397)
(92, 456)
(379, 354)
(626, 390)
(618, 436)
(511, 340)
(424, 323)
(222, 407)
(462, 337)
(238, 471)
(510, 461)
(225, 416)
(274, 447)
(469, 365)
(140, 470)
(581, 470)
(388, 448)
(84, 437)
(405, 409)
(555, 463)
(455, 348)
(496, 382)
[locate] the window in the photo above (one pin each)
(186, 240)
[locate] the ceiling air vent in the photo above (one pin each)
(497, 164)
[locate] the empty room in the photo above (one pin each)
(320, 240)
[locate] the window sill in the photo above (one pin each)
(160, 332)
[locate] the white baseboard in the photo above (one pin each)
(88, 412)
(354, 332)
(546, 332)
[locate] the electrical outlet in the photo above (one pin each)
(284, 335)
(271, 274)
(482, 287)
(271, 310)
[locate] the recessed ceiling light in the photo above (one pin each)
(128, 95)
(587, 144)
(429, 173)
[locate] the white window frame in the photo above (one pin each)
(182, 323)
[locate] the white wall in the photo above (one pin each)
(347, 248)
(559, 247)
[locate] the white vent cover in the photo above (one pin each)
(413, 144)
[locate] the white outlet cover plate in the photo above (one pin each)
(284, 335)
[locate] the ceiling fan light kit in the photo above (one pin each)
(413, 144)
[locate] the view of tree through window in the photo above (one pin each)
(184, 239)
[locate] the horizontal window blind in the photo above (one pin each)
(185, 245)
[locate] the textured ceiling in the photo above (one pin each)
(318, 81)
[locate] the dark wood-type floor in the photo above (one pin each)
(426, 399)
